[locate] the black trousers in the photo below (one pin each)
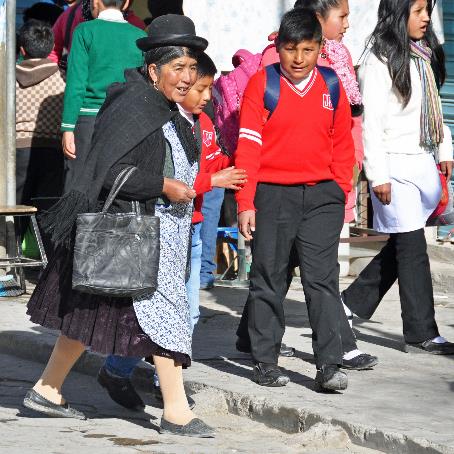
(309, 218)
(403, 258)
(83, 133)
(347, 335)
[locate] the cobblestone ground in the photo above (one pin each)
(110, 429)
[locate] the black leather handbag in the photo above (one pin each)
(116, 255)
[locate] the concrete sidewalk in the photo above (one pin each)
(405, 405)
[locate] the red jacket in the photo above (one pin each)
(59, 29)
(295, 145)
(211, 161)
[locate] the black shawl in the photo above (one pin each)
(131, 112)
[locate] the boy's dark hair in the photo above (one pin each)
(205, 66)
(161, 7)
(299, 24)
(321, 7)
(44, 12)
(36, 38)
(118, 4)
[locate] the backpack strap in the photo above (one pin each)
(272, 88)
(333, 85)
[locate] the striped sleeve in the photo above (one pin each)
(248, 153)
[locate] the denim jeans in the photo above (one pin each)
(211, 210)
(193, 284)
(123, 366)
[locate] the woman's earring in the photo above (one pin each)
(323, 52)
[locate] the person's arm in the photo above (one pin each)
(445, 153)
(343, 147)
(247, 155)
(76, 80)
(59, 38)
(375, 83)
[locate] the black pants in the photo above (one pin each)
(83, 133)
(347, 335)
(405, 258)
(311, 218)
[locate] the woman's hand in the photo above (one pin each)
(68, 144)
(177, 191)
(446, 169)
(383, 193)
(246, 224)
(229, 178)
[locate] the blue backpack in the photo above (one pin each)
(273, 87)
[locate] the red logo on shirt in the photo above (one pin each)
(207, 138)
(327, 102)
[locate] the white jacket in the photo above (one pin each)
(387, 128)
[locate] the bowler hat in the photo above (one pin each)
(172, 30)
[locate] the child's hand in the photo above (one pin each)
(229, 178)
(246, 224)
(177, 191)
(68, 144)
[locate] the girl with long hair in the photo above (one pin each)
(404, 139)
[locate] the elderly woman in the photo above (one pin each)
(138, 125)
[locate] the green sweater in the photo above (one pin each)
(101, 50)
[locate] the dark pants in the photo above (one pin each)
(347, 335)
(83, 133)
(311, 218)
(405, 258)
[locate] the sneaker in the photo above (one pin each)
(36, 402)
(194, 428)
(429, 346)
(120, 390)
(360, 362)
(330, 378)
(269, 375)
(245, 347)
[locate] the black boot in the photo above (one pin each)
(120, 390)
(269, 375)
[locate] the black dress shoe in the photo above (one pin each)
(194, 428)
(157, 394)
(36, 402)
(429, 346)
(330, 378)
(360, 362)
(245, 347)
(269, 375)
(287, 352)
(120, 390)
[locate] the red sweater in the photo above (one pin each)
(211, 161)
(295, 145)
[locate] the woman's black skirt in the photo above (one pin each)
(106, 325)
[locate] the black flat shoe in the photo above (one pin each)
(446, 348)
(157, 394)
(195, 428)
(287, 352)
(330, 378)
(245, 347)
(36, 402)
(269, 375)
(360, 362)
(120, 390)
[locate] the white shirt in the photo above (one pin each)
(188, 115)
(387, 128)
(299, 85)
(111, 15)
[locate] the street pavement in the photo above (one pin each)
(404, 406)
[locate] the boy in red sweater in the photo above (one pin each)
(299, 163)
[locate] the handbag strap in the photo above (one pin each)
(118, 184)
